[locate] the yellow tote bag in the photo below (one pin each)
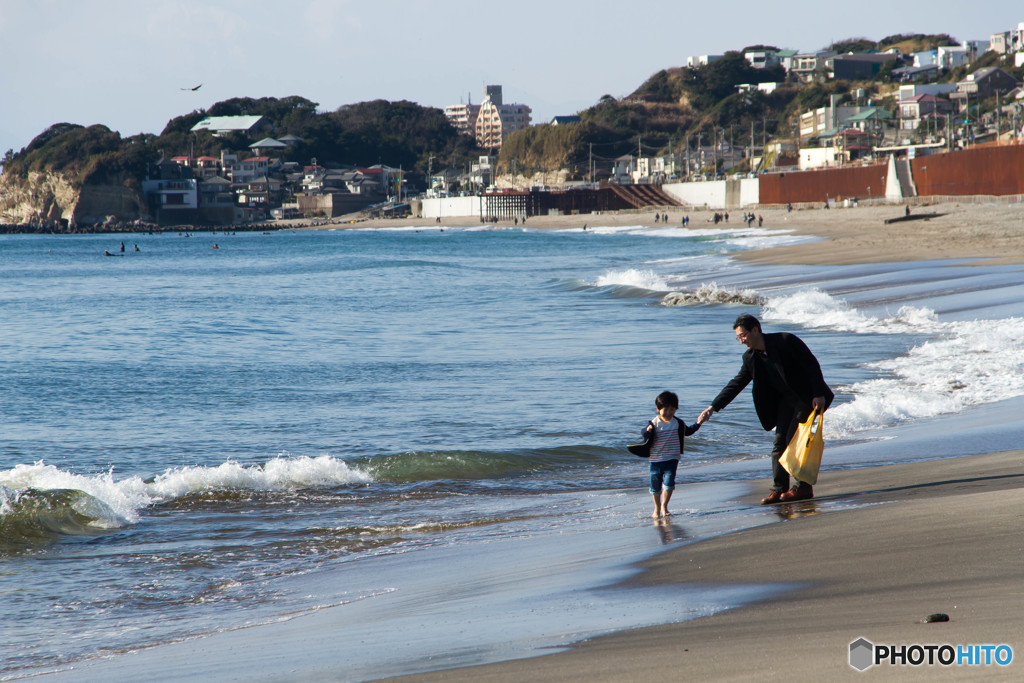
(802, 457)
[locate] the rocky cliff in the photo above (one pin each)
(54, 200)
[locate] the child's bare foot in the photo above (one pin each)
(656, 514)
(666, 513)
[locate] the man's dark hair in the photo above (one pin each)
(666, 398)
(747, 322)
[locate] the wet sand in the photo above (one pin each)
(944, 537)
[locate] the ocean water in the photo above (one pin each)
(352, 423)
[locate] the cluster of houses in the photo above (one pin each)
(926, 115)
(229, 190)
(830, 65)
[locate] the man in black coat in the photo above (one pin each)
(788, 384)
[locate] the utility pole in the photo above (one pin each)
(590, 164)
(750, 157)
(764, 140)
(998, 106)
(714, 153)
(687, 158)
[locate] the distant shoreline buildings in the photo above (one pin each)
(490, 122)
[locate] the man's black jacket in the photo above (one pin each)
(801, 379)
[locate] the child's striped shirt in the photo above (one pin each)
(666, 440)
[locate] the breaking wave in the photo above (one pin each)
(633, 278)
(962, 364)
(41, 502)
(29, 516)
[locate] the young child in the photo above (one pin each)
(664, 436)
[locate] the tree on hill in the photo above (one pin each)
(855, 45)
(916, 42)
(86, 154)
(709, 84)
(395, 133)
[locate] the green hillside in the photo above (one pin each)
(673, 108)
(400, 134)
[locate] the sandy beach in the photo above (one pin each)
(991, 231)
(944, 538)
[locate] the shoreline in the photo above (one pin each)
(936, 537)
(972, 231)
(985, 234)
(939, 536)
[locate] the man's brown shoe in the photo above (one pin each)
(797, 494)
(773, 497)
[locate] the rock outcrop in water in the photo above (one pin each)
(712, 294)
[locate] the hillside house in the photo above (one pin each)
(221, 125)
(172, 202)
(807, 67)
(698, 61)
(852, 67)
(871, 120)
(951, 56)
(207, 167)
(761, 59)
(982, 84)
(826, 120)
(267, 146)
(623, 169)
(911, 74)
(245, 170)
(917, 108)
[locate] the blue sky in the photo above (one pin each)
(123, 63)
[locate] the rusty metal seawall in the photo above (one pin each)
(990, 170)
(819, 186)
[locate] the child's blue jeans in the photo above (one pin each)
(663, 475)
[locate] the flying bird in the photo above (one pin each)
(193, 89)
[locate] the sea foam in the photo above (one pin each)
(962, 364)
(633, 277)
(127, 497)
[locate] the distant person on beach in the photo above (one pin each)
(788, 384)
(664, 441)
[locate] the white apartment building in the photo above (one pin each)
(463, 117)
(491, 121)
(1008, 42)
(497, 120)
(697, 61)
(952, 56)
